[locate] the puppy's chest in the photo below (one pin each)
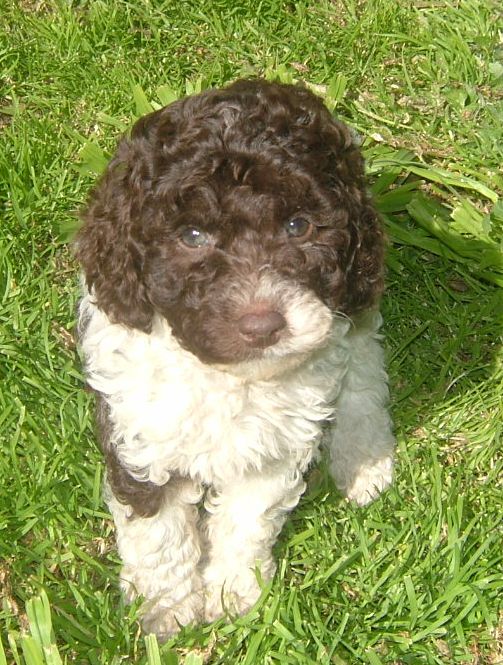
(170, 412)
(212, 425)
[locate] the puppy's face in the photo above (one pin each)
(244, 261)
(241, 217)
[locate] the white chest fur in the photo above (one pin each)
(172, 413)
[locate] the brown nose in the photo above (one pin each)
(259, 327)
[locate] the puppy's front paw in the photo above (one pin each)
(370, 481)
(220, 602)
(164, 619)
(235, 597)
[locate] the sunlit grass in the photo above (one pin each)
(415, 577)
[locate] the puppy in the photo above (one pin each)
(233, 264)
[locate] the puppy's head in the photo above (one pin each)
(241, 217)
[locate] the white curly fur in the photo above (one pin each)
(239, 439)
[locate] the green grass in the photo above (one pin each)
(414, 578)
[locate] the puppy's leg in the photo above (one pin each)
(361, 441)
(245, 520)
(160, 556)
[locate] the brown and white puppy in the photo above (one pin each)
(233, 266)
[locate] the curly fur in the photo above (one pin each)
(220, 367)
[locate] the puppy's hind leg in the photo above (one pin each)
(361, 441)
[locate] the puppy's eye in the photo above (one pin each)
(298, 227)
(194, 237)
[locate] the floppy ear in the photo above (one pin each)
(109, 245)
(365, 271)
(364, 268)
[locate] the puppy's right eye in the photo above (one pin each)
(194, 237)
(298, 227)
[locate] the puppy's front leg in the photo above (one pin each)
(160, 556)
(245, 520)
(361, 441)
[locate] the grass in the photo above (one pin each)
(417, 576)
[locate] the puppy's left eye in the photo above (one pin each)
(298, 227)
(194, 237)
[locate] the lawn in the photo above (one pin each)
(416, 577)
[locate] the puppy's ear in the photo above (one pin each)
(109, 244)
(364, 267)
(365, 270)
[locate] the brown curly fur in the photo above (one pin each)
(237, 163)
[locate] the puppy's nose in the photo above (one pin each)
(259, 327)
